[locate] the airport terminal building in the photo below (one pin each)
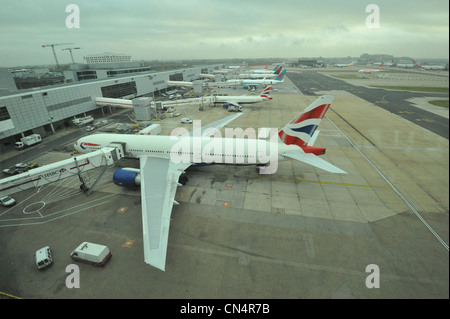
(41, 110)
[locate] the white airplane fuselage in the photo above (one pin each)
(240, 99)
(193, 149)
(263, 72)
(254, 82)
(257, 76)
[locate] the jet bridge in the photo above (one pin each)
(105, 157)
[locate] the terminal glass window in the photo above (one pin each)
(176, 77)
(4, 115)
(62, 105)
(119, 90)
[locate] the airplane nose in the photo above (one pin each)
(75, 145)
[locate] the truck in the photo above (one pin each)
(28, 141)
(151, 129)
(91, 253)
(83, 120)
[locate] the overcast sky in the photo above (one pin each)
(197, 29)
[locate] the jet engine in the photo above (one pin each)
(131, 177)
(127, 177)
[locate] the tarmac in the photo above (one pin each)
(301, 233)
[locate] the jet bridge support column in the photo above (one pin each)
(83, 186)
(90, 189)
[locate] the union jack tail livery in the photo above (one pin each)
(301, 131)
(266, 92)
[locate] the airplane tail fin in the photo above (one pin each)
(417, 65)
(278, 70)
(301, 131)
(266, 92)
(381, 68)
(280, 76)
(275, 68)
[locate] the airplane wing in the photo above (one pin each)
(159, 180)
(316, 161)
(215, 125)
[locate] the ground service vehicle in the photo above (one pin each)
(151, 129)
(28, 141)
(91, 253)
(43, 257)
(7, 201)
(186, 120)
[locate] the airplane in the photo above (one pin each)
(275, 70)
(402, 65)
(207, 76)
(261, 75)
(369, 71)
(236, 101)
(249, 83)
(164, 158)
(428, 67)
(243, 65)
(343, 65)
(256, 76)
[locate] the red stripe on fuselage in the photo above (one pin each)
(89, 144)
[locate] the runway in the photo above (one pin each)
(396, 102)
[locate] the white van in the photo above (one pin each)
(91, 253)
(43, 257)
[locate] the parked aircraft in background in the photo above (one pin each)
(428, 67)
(243, 65)
(236, 101)
(402, 65)
(164, 158)
(369, 71)
(207, 76)
(343, 65)
(275, 70)
(261, 75)
(253, 83)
